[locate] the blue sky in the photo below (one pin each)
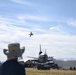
(53, 23)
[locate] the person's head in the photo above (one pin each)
(14, 51)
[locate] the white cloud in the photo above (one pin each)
(58, 29)
(55, 28)
(72, 22)
(21, 17)
(33, 17)
(17, 28)
(57, 45)
(23, 2)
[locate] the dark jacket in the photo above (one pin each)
(12, 67)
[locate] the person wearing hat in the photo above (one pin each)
(11, 66)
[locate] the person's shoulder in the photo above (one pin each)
(4, 62)
(20, 65)
(16, 63)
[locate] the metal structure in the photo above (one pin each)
(43, 61)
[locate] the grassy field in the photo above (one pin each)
(31, 71)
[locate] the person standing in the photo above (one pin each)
(11, 66)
